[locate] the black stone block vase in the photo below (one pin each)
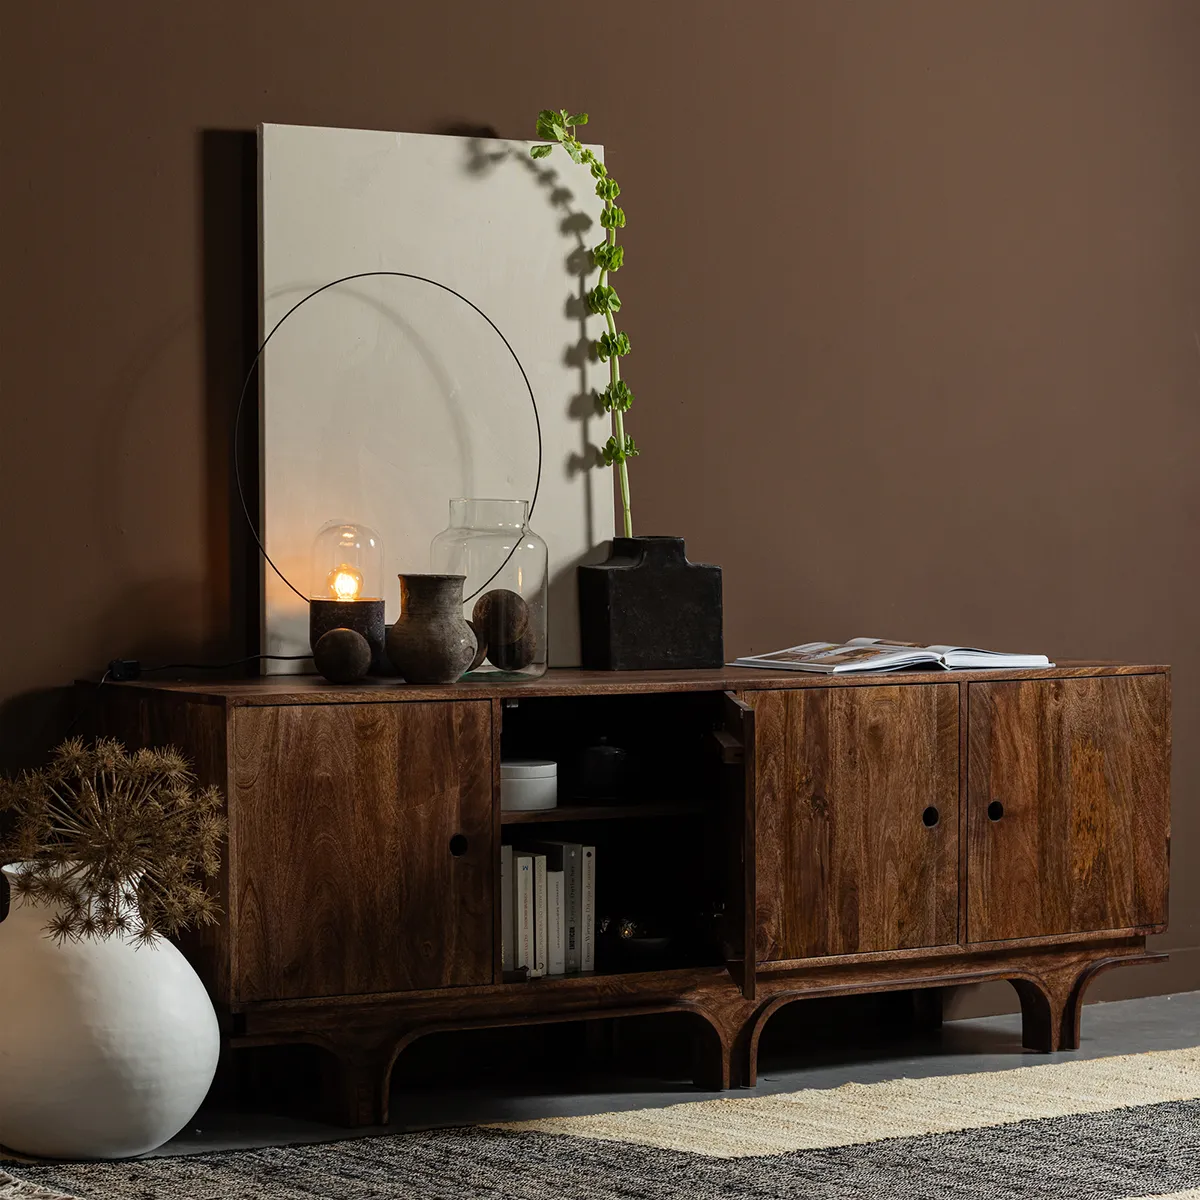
(647, 608)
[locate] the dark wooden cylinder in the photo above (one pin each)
(363, 616)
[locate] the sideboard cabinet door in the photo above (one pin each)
(1068, 813)
(361, 844)
(857, 819)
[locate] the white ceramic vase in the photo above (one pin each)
(106, 1049)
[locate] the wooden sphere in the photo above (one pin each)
(480, 646)
(342, 655)
(502, 615)
(514, 656)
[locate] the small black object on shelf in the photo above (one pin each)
(647, 608)
(601, 769)
(628, 937)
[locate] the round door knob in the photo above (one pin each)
(995, 810)
(930, 817)
(458, 845)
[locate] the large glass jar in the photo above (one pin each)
(505, 562)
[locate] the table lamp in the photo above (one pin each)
(346, 590)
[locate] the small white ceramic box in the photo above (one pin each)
(528, 784)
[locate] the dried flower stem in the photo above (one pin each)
(104, 831)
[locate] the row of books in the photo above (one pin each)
(548, 908)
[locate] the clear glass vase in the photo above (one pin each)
(504, 598)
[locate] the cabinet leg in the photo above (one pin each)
(1072, 1010)
(745, 1056)
(926, 1010)
(1037, 1020)
(713, 1059)
(357, 1086)
(1050, 1011)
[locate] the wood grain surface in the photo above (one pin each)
(351, 923)
(846, 860)
(1068, 806)
(739, 726)
(346, 878)
(312, 689)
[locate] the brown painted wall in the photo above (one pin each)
(914, 289)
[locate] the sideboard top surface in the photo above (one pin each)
(312, 689)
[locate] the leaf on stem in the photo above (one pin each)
(612, 347)
(540, 151)
(608, 257)
(603, 299)
(547, 122)
(617, 396)
(614, 452)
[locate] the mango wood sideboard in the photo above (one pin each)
(810, 837)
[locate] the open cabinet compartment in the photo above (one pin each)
(669, 839)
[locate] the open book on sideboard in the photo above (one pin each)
(882, 654)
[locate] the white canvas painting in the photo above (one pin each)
(384, 398)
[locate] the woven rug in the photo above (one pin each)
(1100, 1129)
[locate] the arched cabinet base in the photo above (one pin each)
(367, 1040)
(1050, 986)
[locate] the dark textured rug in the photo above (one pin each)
(1104, 1129)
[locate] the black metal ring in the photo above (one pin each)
(237, 420)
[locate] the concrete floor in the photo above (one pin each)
(831, 1059)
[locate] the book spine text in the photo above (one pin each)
(587, 948)
(556, 913)
(506, 908)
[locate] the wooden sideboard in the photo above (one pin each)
(842, 836)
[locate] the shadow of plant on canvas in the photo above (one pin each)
(602, 299)
(487, 155)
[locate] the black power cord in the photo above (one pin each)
(121, 670)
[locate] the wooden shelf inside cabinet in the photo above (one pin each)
(616, 976)
(598, 812)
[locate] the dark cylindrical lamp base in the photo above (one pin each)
(363, 616)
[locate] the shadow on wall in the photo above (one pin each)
(228, 172)
(485, 156)
(223, 603)
(31, 725)
(143, 623)
(580, 354)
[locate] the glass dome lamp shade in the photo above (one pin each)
(346, 592)
(347, 563)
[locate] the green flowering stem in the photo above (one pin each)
(559, 127)
(614, 378)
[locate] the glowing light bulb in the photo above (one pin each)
(345, 583)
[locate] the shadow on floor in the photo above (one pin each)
(590, 1067)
